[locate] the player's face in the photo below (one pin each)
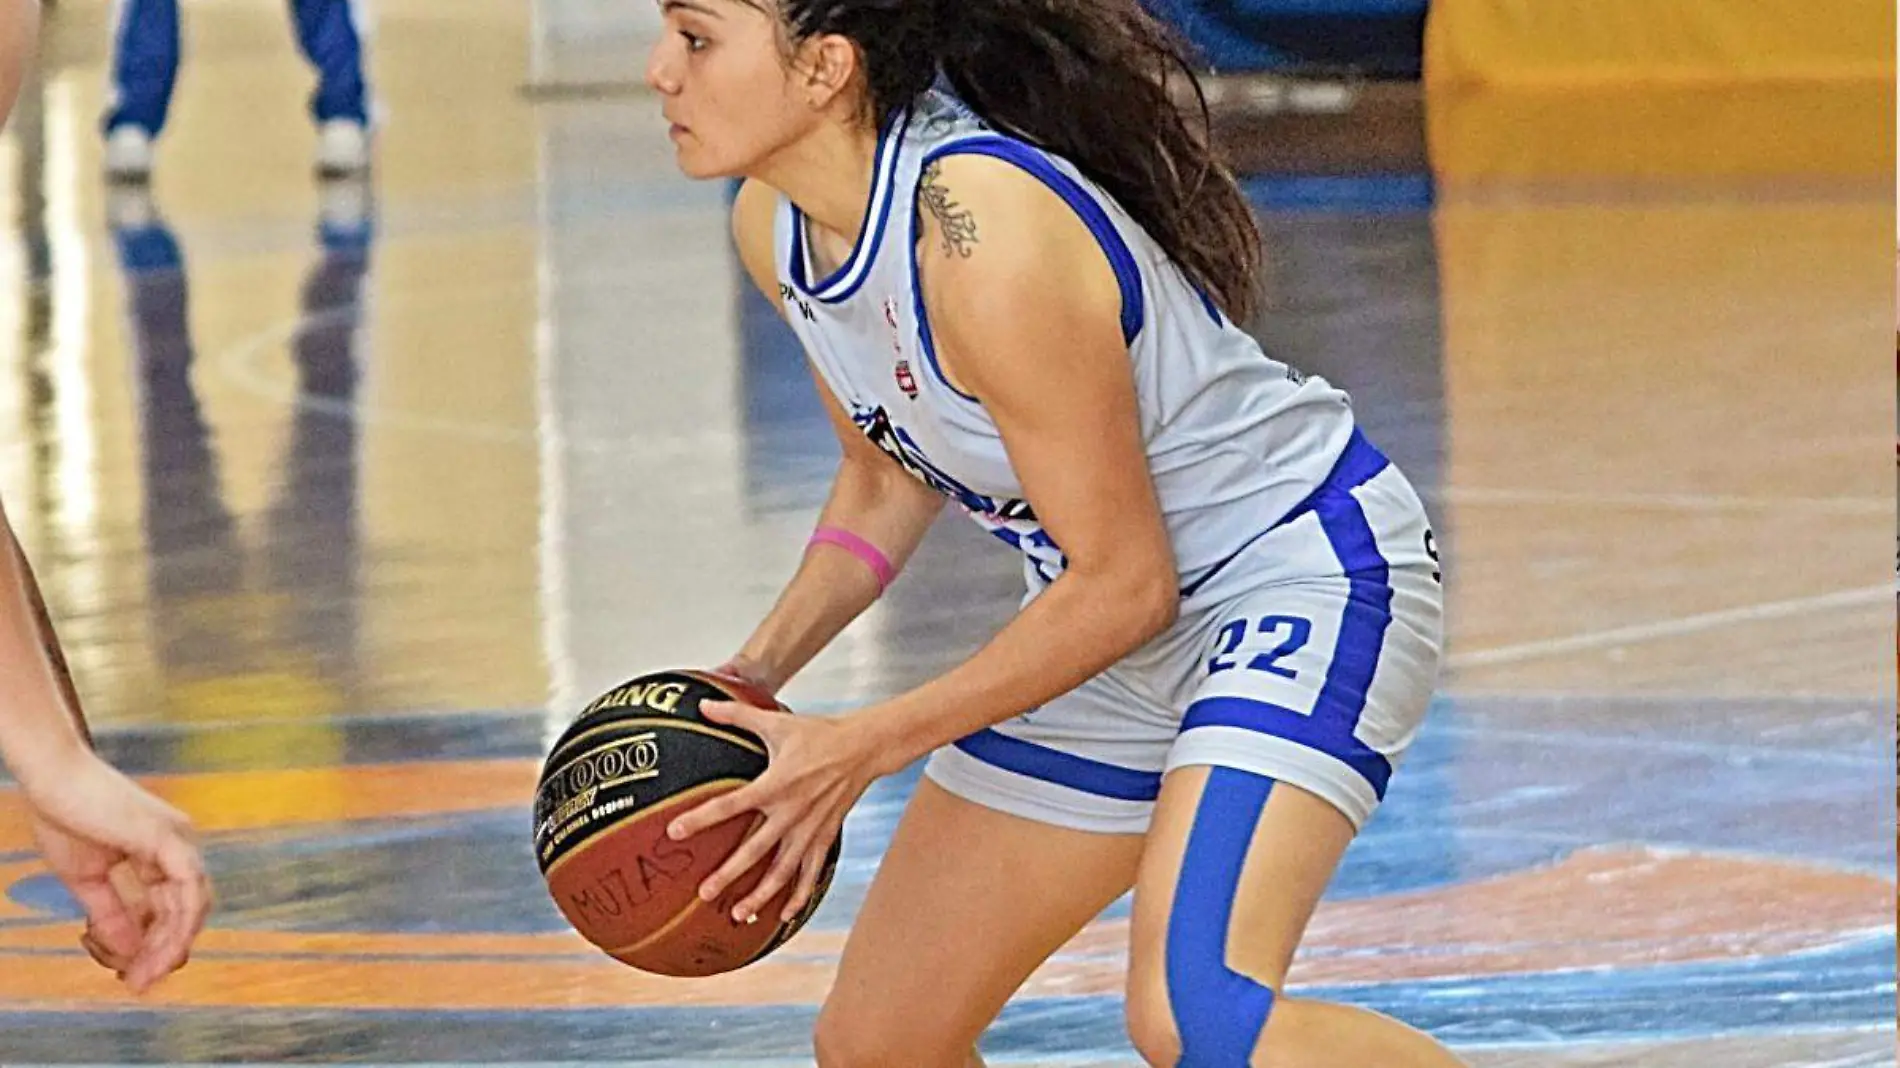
(724, 86)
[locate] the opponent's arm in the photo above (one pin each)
(125, 856)
(19, 37)
(1026, 310)
(41, 725)
(870, 496)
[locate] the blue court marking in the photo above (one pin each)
(1666, 790)
(1859, 741)
(1850, 987)
(1342, 194)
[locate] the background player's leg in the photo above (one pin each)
(1234, 868)
(328, 33)
(144, 64)
(967, 903)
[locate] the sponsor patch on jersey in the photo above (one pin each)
(906, 381)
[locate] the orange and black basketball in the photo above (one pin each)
(636, 758)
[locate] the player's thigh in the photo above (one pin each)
(967, 902)
(1308, 697)
(1235, 865)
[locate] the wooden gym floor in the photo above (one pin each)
(346, 495)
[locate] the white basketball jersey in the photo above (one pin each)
(1234, 439)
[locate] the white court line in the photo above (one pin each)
(1685, 502)
(1670, 628)
(240, 365)
(1678, 1040)
(1648, 745)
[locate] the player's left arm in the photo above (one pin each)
(1026, 313)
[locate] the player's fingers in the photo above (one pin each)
(100, 955)
(745, 717)
(754, 849)
(181, 865)
(114, 930)
(784, 868)
(747, 798)
(168, 943)
(809, 872)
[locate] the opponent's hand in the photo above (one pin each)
(816, 769)
(105, 938)
(130, 861)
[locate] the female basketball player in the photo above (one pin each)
(1018, 288)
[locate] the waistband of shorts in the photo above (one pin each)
(1359, 463)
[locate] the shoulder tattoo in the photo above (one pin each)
(955, 224)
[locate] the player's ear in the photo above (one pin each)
(829, 64)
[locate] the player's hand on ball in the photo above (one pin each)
(748, 671)
(817, 769)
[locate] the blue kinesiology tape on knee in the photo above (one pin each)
(1218, 1011)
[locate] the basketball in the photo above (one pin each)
(636, 758)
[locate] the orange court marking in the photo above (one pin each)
(1606, 907)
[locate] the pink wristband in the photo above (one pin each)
(879, 564)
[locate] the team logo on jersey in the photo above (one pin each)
(1012, 521)
(906, 381)
(876, 424)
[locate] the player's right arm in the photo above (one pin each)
(871, 496)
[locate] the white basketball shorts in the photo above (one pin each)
(1315, 672)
